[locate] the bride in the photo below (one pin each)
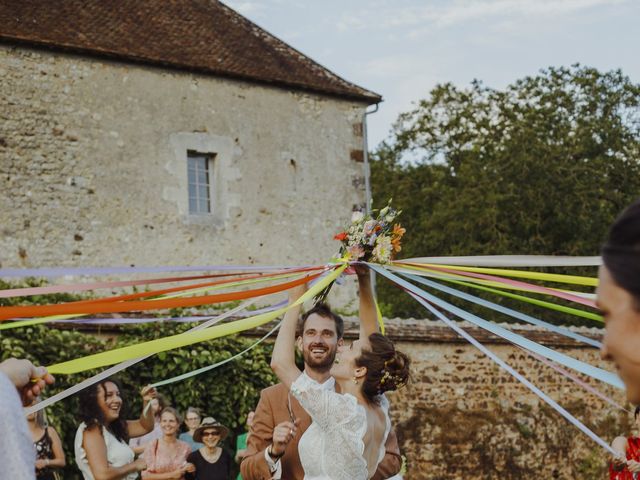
(350, 426)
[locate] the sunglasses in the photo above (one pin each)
(210, 434)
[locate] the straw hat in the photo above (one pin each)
(210, 422)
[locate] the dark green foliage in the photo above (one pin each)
(227, 393)
(542, 167)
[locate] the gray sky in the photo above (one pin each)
(402, 48)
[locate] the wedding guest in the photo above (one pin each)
(101, 448)
(241, 442)
(47, 444)
(156, 405)
(20, 383)
(212, 462)
(627, 463)
(192, 422)
(166, 457)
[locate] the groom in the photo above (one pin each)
(280, 421)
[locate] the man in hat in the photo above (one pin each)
(280, 421)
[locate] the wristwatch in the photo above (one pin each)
(273, 455)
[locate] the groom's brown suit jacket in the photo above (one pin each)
(271, 410)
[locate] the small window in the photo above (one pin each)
(199, 183)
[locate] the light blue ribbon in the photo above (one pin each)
(501, 332)
(557, 407)
(507, 311)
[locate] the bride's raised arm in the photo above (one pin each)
(283, 359)
(367, 309)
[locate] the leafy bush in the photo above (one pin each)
(227, 393)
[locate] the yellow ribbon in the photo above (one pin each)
(547, 277)
(53, 318)
(184, 339)
(452, 276)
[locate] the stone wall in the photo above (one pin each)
(463, 417)
(93, 166)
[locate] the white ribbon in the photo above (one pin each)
(121, 366)
(510, 261)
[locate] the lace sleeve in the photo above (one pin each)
(326, 407)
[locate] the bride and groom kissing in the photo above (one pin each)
(331, 420)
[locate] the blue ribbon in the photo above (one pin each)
(557, 407)
(507, 311)
(501, 332)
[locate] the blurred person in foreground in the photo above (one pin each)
(618, 298)
(20, 384)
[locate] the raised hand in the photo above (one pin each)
(148, 393)
(282, 435)
(28, 379)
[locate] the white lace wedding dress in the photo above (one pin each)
(332, 448)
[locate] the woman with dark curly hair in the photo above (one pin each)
(349, 429)
(101, 448)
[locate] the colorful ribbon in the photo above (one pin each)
(198, 371)
(546, 277)
(557, 407)
(511, 261)
(507, 311)
(121, 366)
(527, 286)
(501, 332)
(88, 307)
(188, 338)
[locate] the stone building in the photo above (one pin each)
(169, 132)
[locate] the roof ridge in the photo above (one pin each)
(206, 36)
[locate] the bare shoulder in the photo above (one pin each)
(619, 443)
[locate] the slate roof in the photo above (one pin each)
(203, 36)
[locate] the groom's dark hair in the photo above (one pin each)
(323, 310)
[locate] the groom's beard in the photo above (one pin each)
(323, 363)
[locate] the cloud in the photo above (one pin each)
(454, 12)
(246, 8)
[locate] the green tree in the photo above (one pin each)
(541, 167)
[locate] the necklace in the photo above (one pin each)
(211, 457)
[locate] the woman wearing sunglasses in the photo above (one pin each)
(211, 462)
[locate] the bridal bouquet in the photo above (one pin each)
(373, 239)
